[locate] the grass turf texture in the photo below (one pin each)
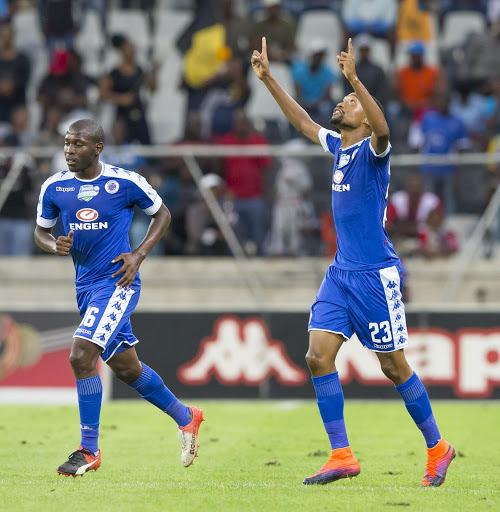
(253, 456)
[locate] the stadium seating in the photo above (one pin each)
(261, 104)
(457, 26)
(320, 24)
(89, 43)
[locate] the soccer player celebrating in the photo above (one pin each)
(361, 292)
(96, 202)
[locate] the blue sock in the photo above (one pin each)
(151, 387)
(331, 407)
(89, 401)
(417, 402)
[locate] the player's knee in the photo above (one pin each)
(126, 374)
(390, 369)
(315, 362)
(80, 361)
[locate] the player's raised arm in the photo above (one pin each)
(374, 116)
(293, 111)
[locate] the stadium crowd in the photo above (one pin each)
(434, 65)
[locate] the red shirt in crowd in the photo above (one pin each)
(244, 173)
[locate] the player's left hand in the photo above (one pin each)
(346, 62)
(131, 264)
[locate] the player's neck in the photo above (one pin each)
(91, 172)
(351, 137)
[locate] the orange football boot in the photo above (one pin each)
(342, 464)
(438, 459)
(188, 437)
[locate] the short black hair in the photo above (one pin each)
(118, 40)
(90, 128)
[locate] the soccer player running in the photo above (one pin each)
(95, 202)
(361, 292)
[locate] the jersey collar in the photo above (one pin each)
(93, 179)
(353, 145)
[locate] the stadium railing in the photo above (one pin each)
(475, 164)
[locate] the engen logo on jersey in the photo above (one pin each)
(87, 192)
(338, 176)
(336, 186)
(87, 216)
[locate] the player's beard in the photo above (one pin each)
(336, 121)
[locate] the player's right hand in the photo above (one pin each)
(260, 62)
(64, 243)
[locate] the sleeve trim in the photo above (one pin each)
(154, 207)
(46, 223)
(322, 135)
(382, 155)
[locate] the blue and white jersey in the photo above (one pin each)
(99, 212)
(360, 186)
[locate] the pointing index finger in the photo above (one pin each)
(349, 44)
(264, 48)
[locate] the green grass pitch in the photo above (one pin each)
(253, 456)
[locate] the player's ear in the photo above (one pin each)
(98, 148)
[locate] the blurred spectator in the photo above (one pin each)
(417, 83)
(203, 234)
(118, 151)
(291, 205)
(376, 17)
(279, 28)
(20, 135)
(178, 189)
(407, 212)
(414, 23)
(58, 23)
(227, 92)
(205, 52)
(49, 136)
(441, 134)
(14, 73)
(371, 75)
(480, 57)
(471, 109)
(328, 234)
(16, 215)
(313, 80)
(237, 29)
(65, 86)
(122, 87)
(434, 240)
(244, 178)
(101, 7)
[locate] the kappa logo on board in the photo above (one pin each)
(241, 352)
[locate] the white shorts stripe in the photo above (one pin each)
(392, 287)
(112, 315)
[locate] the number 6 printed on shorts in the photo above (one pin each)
(89, 318)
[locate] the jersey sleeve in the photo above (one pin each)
(380, 160)
(330, 140)
(143, 195)
(47, 211)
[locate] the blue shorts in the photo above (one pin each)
(105, 312)
(366, 303)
